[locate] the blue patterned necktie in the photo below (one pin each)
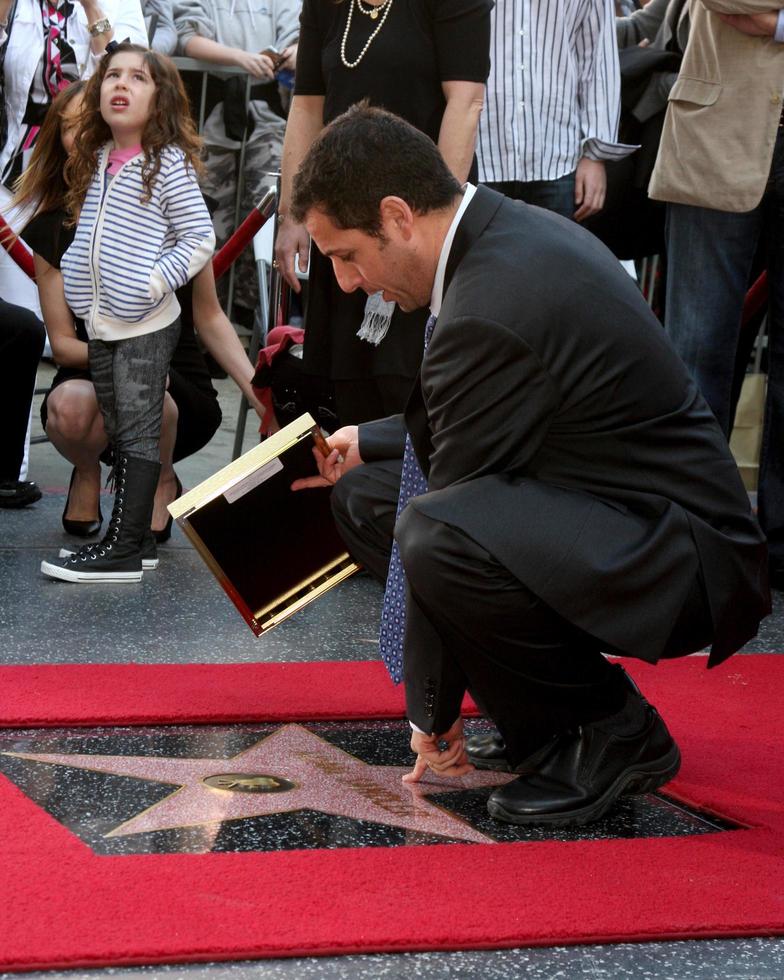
(393, 613)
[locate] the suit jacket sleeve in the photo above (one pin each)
(643, 23)
(489, 405)
(382, 439)
(489, 401)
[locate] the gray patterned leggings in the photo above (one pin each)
(130, 385)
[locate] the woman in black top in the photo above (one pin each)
(427, 61)
(70, 412)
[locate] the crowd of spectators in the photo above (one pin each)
(582, 107)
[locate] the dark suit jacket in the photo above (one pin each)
(561, 432)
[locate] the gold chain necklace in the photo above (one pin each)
(353, 64)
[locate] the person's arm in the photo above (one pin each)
(220, 337)
(306, 120)
(732, 7)
(5, 10)
(205, 49)
(96, 16)
(183, 206)
(452, 760)
(457, 136)
(127, 21)
(757, 25)
(599, 104)
(286, 28)
(164, 40)
(507, 388)
(343, 456)
(68, 350)
(642, 24)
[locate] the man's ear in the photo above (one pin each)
(396, 216)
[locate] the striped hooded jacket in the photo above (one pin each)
(127, 258)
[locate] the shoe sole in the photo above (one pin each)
(637, 781)
(491, 765)
(71, 575)
(148, 564)
(7, 503)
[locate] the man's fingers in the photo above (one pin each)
(420, 767)
(462, 770)
(288, 272)
(309, 482)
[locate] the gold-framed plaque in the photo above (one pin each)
(273, 550)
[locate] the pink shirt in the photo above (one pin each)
(118, 157)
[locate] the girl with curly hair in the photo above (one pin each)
(142, 231)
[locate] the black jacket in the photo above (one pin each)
(561, 432)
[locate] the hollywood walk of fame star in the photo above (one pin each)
(302, 771)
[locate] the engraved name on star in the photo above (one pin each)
(294, 770)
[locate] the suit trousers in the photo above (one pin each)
(22, 339)
(532, 672)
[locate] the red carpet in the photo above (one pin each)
(63, 906)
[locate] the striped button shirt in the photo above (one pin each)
(553, 95)
(128, 257)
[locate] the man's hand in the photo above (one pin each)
(449, 761)
(344, 456)
(292, 240)
(257, 65)
(288, 58)
(590, 186)
(757, 25)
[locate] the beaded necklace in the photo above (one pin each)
(387, 6)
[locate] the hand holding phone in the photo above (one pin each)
(274, 56)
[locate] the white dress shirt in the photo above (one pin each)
(553, 95)
(437, 295)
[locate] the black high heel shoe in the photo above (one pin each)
(80, 529)
(165, 532)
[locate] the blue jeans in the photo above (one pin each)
(709, 258)
(555, 195)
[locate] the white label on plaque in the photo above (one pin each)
(253, 480)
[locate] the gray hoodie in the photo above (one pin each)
(251, 25)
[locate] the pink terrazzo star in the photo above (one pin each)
(325, 779)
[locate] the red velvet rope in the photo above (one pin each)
(16, 249)
(756, 298)
(243, 235)
(220, 262)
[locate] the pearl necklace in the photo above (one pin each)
(387, 5)
(374, 10)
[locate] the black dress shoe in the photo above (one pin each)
(18, 493)
(80, 529)
(165, 532)
(488, 752)
(587, 769)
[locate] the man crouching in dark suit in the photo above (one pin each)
(580, 498)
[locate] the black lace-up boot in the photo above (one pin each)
(118, 557)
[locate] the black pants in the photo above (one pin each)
(530, 670)
(22, 339)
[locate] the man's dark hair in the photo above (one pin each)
(363, 156)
